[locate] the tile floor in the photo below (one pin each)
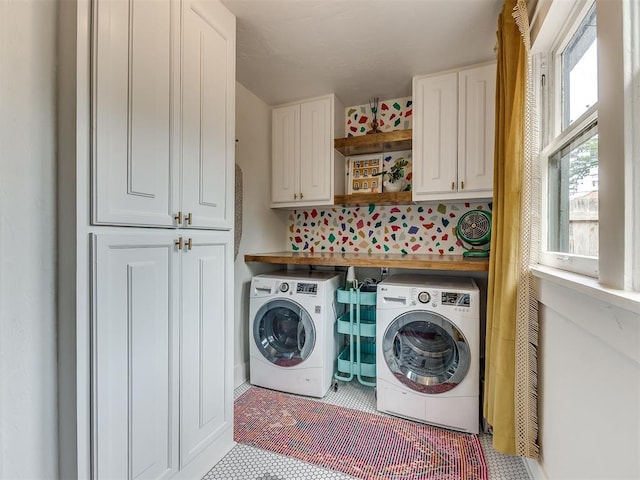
(249, 463)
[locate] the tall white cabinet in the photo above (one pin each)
(146, 314)
(453, 134)
(306, 170)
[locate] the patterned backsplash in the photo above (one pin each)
(392, 115)
(380, 229)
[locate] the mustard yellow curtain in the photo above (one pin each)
(504, 265)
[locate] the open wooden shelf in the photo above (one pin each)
(384, 198)
(374, 143)
(364, 259)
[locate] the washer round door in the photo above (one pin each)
(284, 332)
(426, 352)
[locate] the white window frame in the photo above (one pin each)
(556, 139)
(562, 260)
(619, 139)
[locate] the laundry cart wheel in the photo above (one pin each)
(335, 385)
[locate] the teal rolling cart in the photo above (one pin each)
(358, 322)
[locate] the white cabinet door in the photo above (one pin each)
(304, 171)
(453, 135)
(135, 60)
(135, 362)
(476, 127)
(435, 135)
(285, 171)
(164, 114)
(208, 115)
(206, 408)
(316, 149)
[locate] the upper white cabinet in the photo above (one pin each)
(453, 134)
(163, 96)
(208, 111)
(286, 155)
(435, 135)
(476, 129)
(136, 53)
(306, 170)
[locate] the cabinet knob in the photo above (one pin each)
(178, 218)
(189, 244)
(462, 185)
(301, 196)
(453, 185)
(295, 196)
(178, 243)
(187, 219)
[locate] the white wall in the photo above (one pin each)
(28, 420)
(589, 386)
(263, 229)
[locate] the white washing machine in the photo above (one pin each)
(293, 344)
(428, 350)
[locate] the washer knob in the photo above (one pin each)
(424, 297)
(284, 287)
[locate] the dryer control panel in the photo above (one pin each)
(432, 298)
(456, 299)
(307, 288)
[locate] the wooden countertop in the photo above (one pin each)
(391, 260)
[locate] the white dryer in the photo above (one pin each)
(293, 344)
(427, 350)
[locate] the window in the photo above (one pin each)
(587, 97)
(579, 63)
(570, 233)
(573, 196)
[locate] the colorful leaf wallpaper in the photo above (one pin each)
(380, 229)
(393, 114)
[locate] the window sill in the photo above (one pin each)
(625, 299)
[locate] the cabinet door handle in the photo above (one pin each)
(178, 218)
(178, 243)
(295, 196)
(462, 185)
(453, 185)
(301, 196)
(189, 244)
(187, 219)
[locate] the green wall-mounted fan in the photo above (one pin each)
(474, 228)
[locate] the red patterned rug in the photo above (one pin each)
(364, 445)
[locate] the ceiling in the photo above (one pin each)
(288, 50)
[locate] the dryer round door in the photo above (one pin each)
(426, 352)
(284, 333)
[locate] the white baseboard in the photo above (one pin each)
(240, 374)
(534, 469)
